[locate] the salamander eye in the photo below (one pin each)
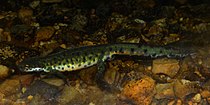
(26, 67)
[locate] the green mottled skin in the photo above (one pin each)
(82, 57)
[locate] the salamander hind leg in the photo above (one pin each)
(99, 78)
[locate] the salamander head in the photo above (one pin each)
(30, 65)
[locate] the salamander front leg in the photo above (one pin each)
(60, 75)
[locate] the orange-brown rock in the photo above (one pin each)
(141, 91)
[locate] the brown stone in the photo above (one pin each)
(205, 94)
(4, 71)
(25, 15)
(168, 67)
(164, 91)
(141, 91)
(44, 33)
(182, 88)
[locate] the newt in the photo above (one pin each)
(83, 57)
